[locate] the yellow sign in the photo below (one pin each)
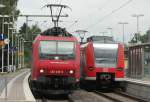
(2, 43)
(20, 53)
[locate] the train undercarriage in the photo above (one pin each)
(54, 85)
(103, 81)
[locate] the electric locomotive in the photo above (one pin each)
(56, 58)
(102, 63)
(56, 62)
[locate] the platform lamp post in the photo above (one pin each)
(7, 41)
(22, 41)
(2, 6)
(19, 49)
(15, 48)
(20, 52)
(12, 49)
(123, 25)
(81, 34)
(138, 32)
(3, 17)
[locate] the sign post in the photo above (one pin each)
(2, 44)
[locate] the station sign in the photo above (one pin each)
(20, 54)
(2, 36)
(2, 40)
(2, 43)
(6, 41)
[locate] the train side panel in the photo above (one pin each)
(120, 66)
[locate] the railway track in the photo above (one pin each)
(52, 99)
(95, 96)
(47, 100)
(130, 96)
(119, 97)
(78, 96)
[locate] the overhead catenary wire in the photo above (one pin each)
(108, 15)
(104, 5)
(70, 26)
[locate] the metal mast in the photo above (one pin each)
(55, 19)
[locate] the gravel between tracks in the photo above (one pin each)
(84, 96)
(78, 96)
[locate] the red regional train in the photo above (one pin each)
(56, 62)
(102, 63)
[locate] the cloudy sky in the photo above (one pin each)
(95, 16)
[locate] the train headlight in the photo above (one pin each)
(41, 71)
(71, 71)
(91, 68)
(119, 69)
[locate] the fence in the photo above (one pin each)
(139, 61)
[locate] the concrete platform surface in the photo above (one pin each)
(18, 89)
(138, 88)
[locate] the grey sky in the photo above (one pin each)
(90, 12)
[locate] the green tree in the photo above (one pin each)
(9, 9)
(146, 37)
(31, 31)
(23, 31)
(34, 31)
(143, 38)
(134, 39)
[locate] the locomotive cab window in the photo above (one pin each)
(105, 55)
(61, 50)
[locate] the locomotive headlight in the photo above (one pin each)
(41, 71)
(91, 68)
(71, 72)
(119, 69)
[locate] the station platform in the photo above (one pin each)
(138, 81)
(17, 90)
(139, 88)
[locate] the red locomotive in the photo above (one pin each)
(56, 62)
(56, 58)
(102, 63)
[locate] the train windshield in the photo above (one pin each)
(61, 50)
(105, 55)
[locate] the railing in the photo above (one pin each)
(139, 61)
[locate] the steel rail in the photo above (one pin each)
(130, 96)
(107, 96)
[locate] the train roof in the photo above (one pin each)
(43, 37)
(56, 31)
(101, 39)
